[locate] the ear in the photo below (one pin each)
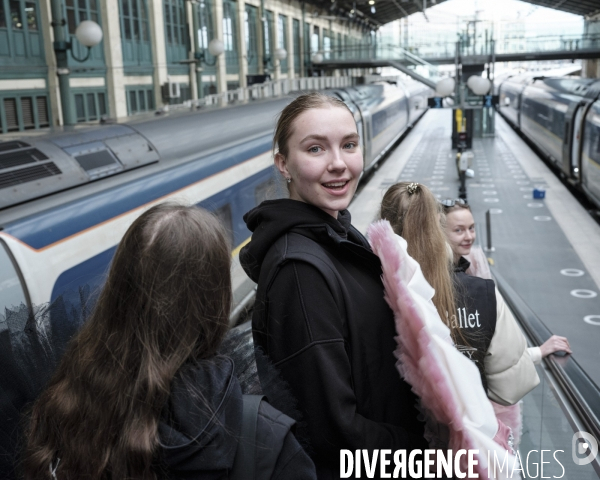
(281, 165)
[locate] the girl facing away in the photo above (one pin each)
(140, 392)
(320, 314)
(482, 326)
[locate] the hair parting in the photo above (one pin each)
(166, 301)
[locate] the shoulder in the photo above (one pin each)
(471, 282)
(294, 248)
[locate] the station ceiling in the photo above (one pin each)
(386, 11)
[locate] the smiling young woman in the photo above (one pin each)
(320, 314)
(322, 159)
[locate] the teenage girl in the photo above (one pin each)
(482, 326)
(460, 232)
(320, 313)
(140, 392)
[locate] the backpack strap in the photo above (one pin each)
(244, 463)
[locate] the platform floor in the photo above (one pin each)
(549, 250)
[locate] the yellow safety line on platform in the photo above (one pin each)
(237, 249)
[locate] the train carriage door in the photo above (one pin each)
(576, 141)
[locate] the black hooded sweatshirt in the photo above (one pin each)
(199, 429)
(321, 317)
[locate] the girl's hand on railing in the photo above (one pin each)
(555, 344)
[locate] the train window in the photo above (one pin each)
(224, 215)
(265, 191)
(12, 291)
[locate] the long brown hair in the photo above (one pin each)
(414, 214)
(166, 300)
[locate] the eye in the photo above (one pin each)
(315, 149)
(350, 145)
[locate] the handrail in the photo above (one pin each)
(271, 89)
(580, 389)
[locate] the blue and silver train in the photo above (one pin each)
(67, 198)
(561, 116)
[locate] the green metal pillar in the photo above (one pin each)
(303, 41)
(196, 27)
(61, 48)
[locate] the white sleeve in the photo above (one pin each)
(536, 355)
(510, 371)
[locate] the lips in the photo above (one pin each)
(336, 185)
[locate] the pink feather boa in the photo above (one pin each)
(417, 364)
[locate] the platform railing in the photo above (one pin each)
(271, 89)
(380, 52)
(507, 45)
(566, 402)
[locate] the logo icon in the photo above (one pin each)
(584, 443)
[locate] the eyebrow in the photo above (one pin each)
(324, 138)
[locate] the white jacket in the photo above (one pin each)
(509, 366)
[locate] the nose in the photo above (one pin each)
(470, 235)
(336, 162)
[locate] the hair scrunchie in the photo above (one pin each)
(412, 188)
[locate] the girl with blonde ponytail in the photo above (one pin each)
(480, 324)
(414, 214)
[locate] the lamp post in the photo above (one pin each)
(89, 34)
(278, 55)
(315, 58)
(215, 48)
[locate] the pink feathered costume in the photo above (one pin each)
(448, 384)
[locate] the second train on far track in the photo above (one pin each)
(561, 116)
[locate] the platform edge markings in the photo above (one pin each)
(582, 232)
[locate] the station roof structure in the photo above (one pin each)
(389, 10)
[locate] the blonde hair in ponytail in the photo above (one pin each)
(415, 214)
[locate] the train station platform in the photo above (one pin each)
(545, 250)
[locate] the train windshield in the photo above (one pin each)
(12, 292)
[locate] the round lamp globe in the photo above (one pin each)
(88, 33)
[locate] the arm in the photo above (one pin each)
(554, 344)
(536, 355)
(305, 340)
(509, 369)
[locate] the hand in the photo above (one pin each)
(555, 344)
